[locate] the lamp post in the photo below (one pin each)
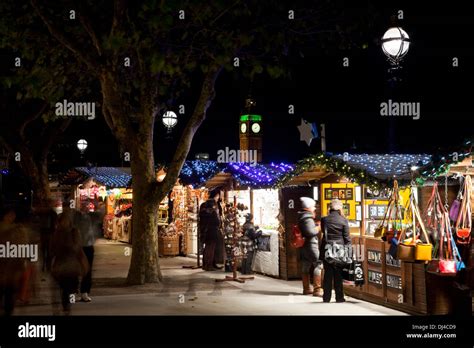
(395, 46)
(170, 119)
(82, 145)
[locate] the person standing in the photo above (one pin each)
(209, 227)
(12, 269)
(250, 235)
(83, 222)
(47, 222)
(310, 250)
(335, 229)
(69, 262)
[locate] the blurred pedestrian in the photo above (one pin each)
(46, 217)
(69, 263)
(12, 268)
(83, 222)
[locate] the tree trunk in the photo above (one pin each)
(145, 264)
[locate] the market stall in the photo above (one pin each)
(106, 191)
(251, 187)
(363, 183)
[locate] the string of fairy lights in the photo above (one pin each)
(255, 175)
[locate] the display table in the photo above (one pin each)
(266, 262)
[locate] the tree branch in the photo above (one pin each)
(85, 57)
(31, 118)
(88, 27)
(52, 133)
(120, 7)
(205, 99)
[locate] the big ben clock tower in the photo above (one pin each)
(250, 129)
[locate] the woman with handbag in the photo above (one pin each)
(310, 250)
(69, 263)
(336, 233)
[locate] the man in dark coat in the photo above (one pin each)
(336, 226)
(209, 223)
(310, 250)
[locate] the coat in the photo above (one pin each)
(68, 258)
(12, 268)
(209, 223)
(249, 237)
(337, 228)
(310, 249)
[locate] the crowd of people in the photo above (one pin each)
(66, 244)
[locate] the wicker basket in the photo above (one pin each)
(168, 246)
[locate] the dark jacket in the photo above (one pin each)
(307, 228)
(310, 249)
(209, 222)
(337, 228)
(250, 236)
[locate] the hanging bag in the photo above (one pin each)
(423, 251)
(464, 219)
(456, 205)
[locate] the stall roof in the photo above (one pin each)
(370, 169)
(213, 174)
(111, 177)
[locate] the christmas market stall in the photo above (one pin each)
(250, 187)
(106, 191)
(368, 185)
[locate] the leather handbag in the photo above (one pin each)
(463, 236)
(406, 252)
(423, 251)
(447, 267)
(336, 254)
(464, 219)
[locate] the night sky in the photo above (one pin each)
(346, 99)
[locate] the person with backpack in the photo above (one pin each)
(310, 250)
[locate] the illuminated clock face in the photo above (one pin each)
(255, 128)
(243, 127)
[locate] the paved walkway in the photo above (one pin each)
(189, 292)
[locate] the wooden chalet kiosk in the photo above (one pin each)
(359, 181)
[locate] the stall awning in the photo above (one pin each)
(212, 174)
(111, 177)
(369, 169)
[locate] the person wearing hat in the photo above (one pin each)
(335, 228)
(251, 233)
(310, 250)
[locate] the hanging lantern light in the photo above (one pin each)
(170, 119)
(160, 176)
(82, 145)
(395, 44)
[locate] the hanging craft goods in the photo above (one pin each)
(464, 219)
(446, 258)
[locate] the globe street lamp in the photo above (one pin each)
(82, 145)
(170, 120)
(395, 45)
